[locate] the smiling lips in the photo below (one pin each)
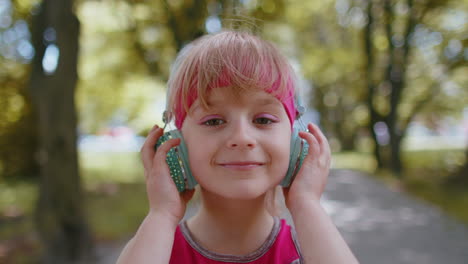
(241, 165)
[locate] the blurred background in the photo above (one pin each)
(82, 82)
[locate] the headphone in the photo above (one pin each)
(179, 166)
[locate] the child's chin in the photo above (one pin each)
(243, 192)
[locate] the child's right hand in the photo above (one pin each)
(164, 199)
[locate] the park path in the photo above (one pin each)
(381, 225)
(387, 226)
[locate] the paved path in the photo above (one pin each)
(382, 226)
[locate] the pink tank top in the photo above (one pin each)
(281, 247)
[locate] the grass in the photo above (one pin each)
(120, 167)
(114, 181)
(16, 205)
(354, 160)
(125, 207)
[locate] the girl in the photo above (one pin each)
(231, 95)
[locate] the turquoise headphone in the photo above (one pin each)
(179, 166)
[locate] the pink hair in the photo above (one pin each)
(229, 59)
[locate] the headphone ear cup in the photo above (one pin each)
(178, 162)
(299, 150)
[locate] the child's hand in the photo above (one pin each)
(310, 182)
(164, 199)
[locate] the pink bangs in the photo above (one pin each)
(229, 59)
(286, 99)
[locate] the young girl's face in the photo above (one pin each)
(239, 146)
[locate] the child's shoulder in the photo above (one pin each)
(280, 247)
(287, 242)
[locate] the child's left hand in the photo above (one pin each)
(310, 182)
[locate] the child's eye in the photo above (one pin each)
(214, 122)
(263, 121)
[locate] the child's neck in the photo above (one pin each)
(227, 226)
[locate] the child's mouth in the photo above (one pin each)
(241, 165)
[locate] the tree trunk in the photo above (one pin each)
(394, 76)
(369, 54)
(60, 215)
(395, 156)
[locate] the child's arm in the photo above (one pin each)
(151, 244)
(154, 239)
(319, 239)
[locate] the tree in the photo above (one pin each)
(402, 63)
(124, 65)
(59, 213)
(326, 44)
(392, 42)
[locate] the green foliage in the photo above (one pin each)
(17, 125)
(17, 199)
(116, 85)
(328, 42)
(17, 121)
(437, 74)
(127, 48)
(17, 149)
(330, 59)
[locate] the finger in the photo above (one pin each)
(315, 130)
(324, 153)
(318, 134)
(322, 136)
(314, 146)
(152, 136)
(147, 150)
(155, 127)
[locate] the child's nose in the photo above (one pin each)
(241, 136)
